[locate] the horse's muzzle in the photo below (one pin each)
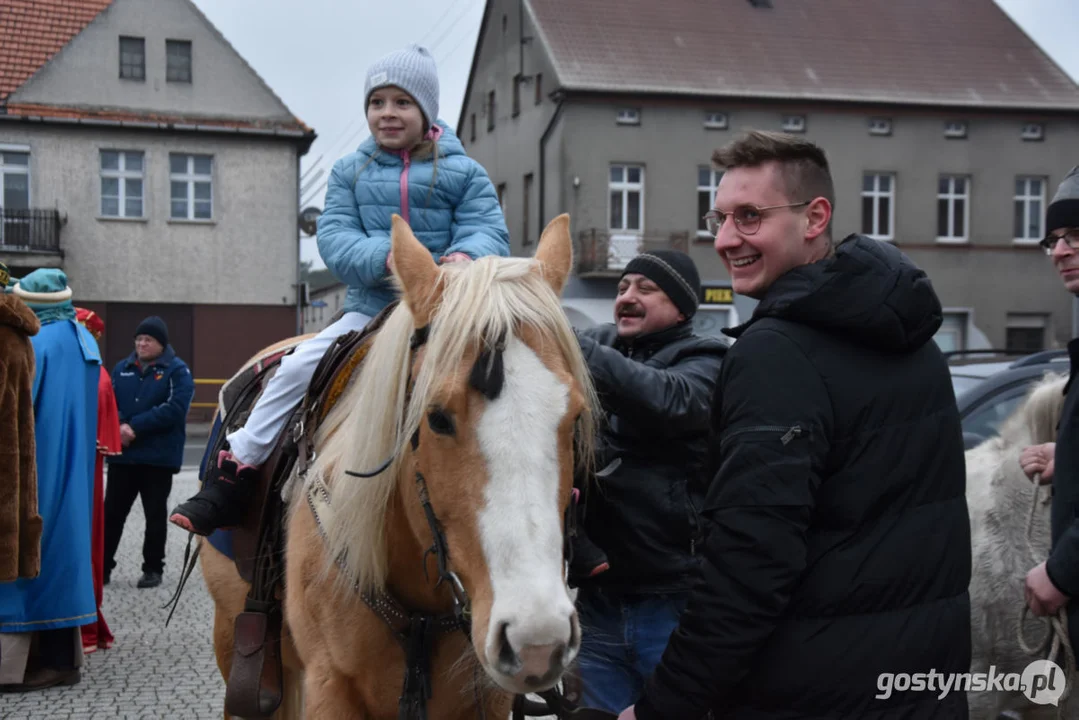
(532, 667)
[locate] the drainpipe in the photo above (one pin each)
(521, 38)
(299, 254)
(543, 161)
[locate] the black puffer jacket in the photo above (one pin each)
(656, 392)
(838, 539)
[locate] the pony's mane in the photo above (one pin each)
(1035, 420)
(482, 301)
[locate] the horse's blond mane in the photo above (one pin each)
(370, 423)
(1035, 420)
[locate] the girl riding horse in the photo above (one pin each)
(413, 165)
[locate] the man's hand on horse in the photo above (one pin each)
(455, 257)
(1042, 596)
(1038, 459)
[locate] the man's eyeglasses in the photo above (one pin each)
(746, 217)
(1070, 238)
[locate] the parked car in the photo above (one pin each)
(989, 387)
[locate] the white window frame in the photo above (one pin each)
(190, 177)
(713, 179)
(16, 169)
(876, 194)
(964, 318)
(121, 175)
(951, 196)
(955, 129)
(880, 126)
(625, 187)
(1032, 132)
(716, 120)
(1025, 198)
(794, 123)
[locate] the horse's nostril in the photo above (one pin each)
(508, 662)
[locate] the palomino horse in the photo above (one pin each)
(1007, 541)
(440, 482)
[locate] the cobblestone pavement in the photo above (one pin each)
(151, 671)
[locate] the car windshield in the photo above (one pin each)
(962, 383)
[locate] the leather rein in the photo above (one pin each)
(416, 632)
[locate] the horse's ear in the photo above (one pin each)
(555, 253)
(415, 267)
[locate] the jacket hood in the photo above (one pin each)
(448, 144)
(18, 315)
(868, 291)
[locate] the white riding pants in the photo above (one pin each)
(253, 443)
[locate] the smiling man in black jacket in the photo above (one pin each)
(838, 542)
(655, 379)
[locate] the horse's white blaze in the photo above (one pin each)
(521, 523)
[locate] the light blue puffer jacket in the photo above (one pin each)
(460, 214)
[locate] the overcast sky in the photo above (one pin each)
(314, 55)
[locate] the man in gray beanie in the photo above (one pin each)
(634, 556)
(1051, 585)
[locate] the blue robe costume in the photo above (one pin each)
(65, 425)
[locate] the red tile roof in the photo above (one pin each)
(959, 52)
(32, 31)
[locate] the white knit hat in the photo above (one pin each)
(413, 70)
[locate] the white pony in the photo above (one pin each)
(1000, 499)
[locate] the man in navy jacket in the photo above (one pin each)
(153, 393)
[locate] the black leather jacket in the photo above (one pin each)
(656, 394)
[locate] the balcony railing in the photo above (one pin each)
(29, 230)
(606, 252)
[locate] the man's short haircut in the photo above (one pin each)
(804, 167)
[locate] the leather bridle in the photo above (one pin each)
(416, 631)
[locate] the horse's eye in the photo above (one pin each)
(440, 422)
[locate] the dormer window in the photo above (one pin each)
(628, 116)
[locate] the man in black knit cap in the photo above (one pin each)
(1053, 584)
(635, 560)
(153, 388)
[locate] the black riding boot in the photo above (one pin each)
(223, 500)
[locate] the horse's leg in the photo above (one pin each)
(292, 695)
(328, 694)
(228, 590)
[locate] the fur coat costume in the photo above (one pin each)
(20, 523)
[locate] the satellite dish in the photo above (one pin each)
(309, 220)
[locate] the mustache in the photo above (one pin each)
(631, 311)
